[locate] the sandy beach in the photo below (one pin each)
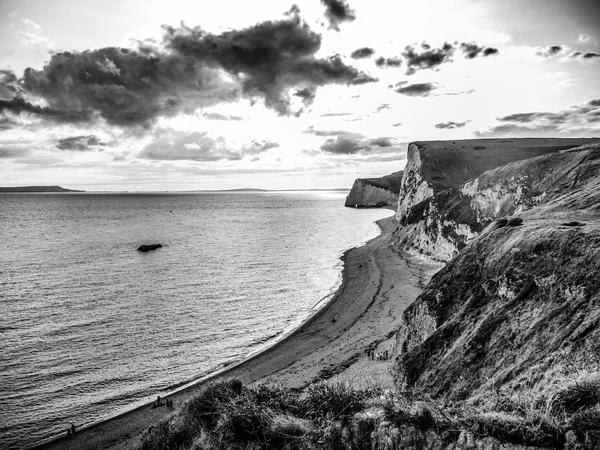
(378, 284)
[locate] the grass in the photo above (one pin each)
(334, 415)
(228, 415)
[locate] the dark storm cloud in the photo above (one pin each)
(590, 55)
(427, 58)
(364, 52)
(472, 50)
(268, 58)
(583, 118)
(123, 86)
(80, 143)
(388, 62)
(19, 105)
(417, 89)
(336, 12)
(450, 125)
(192, 69)
(9, 85)
(342, 146)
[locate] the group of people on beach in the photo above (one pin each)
(71, 431)
(168, 403)
(373, 355)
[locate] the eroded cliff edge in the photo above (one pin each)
(375, 192)
(512, 322)
(438, 200)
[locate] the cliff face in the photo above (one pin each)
(375, 192)
(518, 309)
(449, 192)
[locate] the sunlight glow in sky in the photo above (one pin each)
(178, 95)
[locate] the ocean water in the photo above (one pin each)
(91, 328)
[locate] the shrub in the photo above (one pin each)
(332, 400)
(577, 396)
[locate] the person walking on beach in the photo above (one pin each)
(73, 430)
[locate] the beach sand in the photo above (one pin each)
(378, 284)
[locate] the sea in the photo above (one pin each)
(90, 327)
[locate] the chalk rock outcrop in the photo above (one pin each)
(375, 192)
(518, 309)
(450, 193)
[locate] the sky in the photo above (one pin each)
(149, 95)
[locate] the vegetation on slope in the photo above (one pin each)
(228, 415)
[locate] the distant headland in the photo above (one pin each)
(17, 189)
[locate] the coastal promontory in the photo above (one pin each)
(375, 192)
(17, 189)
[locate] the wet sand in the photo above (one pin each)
(377, 285)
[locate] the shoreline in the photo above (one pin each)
(377, 285)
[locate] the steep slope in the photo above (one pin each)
(375, 192)
(518, 310)
(436, 218)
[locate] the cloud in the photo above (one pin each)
(427, 58)
(382, 107)
(337, 133)
(584, 118)
(364, 52)
(585, 38)
(472, 50)
(363, 78)
(450, 125)
(556, 50)
(8, 122)
(261, 146)
(266, 59)
(381, 142)
(336, 12)
(80, 143)
(399, 124)
(18, 105)
(216, 116)
(342, 146)
(416, 90)
(173, 145)
(9, 85)
(191, 69)
(31, 24)
(388, 62)
(336, 114)
(590, 55)
(551, 51)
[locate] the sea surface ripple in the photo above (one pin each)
(91, 327)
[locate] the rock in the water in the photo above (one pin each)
(147, 248)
